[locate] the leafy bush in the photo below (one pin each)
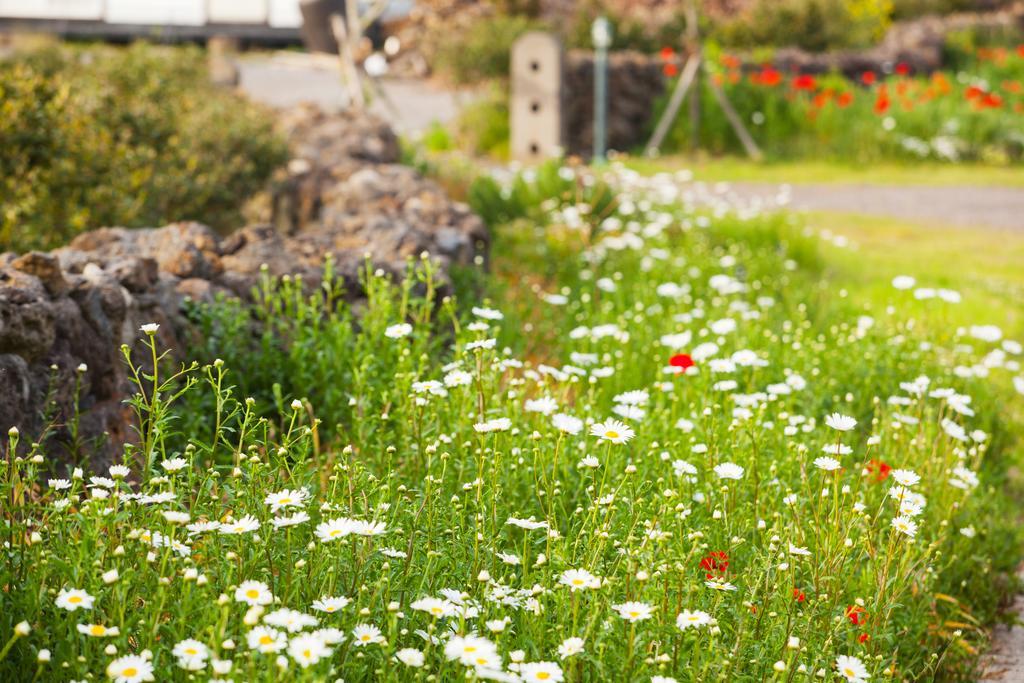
(132, 137)
(482, 51)
(815, 25)
(483, 125)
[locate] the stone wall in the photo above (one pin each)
(342, 194)
(635, 82)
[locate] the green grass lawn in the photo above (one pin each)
(738, 169)
(983, 265)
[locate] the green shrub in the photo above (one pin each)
(481, 52)
(133, 137)
(483, 125)
(815, 25)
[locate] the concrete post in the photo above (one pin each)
(537, 120)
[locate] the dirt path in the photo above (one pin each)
(993, 207)
(1005, 661)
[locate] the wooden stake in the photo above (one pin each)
(753, 151)
(670, 113)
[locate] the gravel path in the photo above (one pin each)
(993, 207)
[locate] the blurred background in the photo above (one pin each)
(884, 119)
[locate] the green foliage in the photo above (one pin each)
(132, 137)
(388, 456)
(533, 193)
(815, 25)
(290, 341)
(899, 118)
(482, 51)
(482, 127)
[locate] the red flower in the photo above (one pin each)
(991, 101)
(868, 78)
(716, 563)
(974, 92)
(804, 82)
(667, 53)
(844, 99)
(1020, 50)
(799, 595)
(880, 469)
(681, 360)
(768, 77)
(670, 70)
(863, 638)
(882, 102)
(856, 614)
(730, 62)
(903, 69)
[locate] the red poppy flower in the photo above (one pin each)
(667, 53)
(804, 82)
(991, 101)
(670, 70)
(821, 99)
(799, 595)
(903, 69)
(856, 614)
(879, 469)
(882, 102)
(681, 360)
(768, 77)
(974, 92)
(868, 78)
(1020, 50)
(863, 638)
(715, 563)
(844, 99)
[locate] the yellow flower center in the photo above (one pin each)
(335, 532)
(612, 434)
(849, 673)
(191, 651)
(97, 630)
(634, 614)
(307, 654)
(543, 675)
(75, 599)
(284, 501)
(469, 649)
(266, 640)
(365, 638)
(130, 671)
(252, 593)
(577, 582)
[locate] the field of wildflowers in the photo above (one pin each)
(655, 444)
(971, 113)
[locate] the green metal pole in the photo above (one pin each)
(600, 103)
(601, 33)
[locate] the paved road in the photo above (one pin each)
(285, 79)
(994, 207)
